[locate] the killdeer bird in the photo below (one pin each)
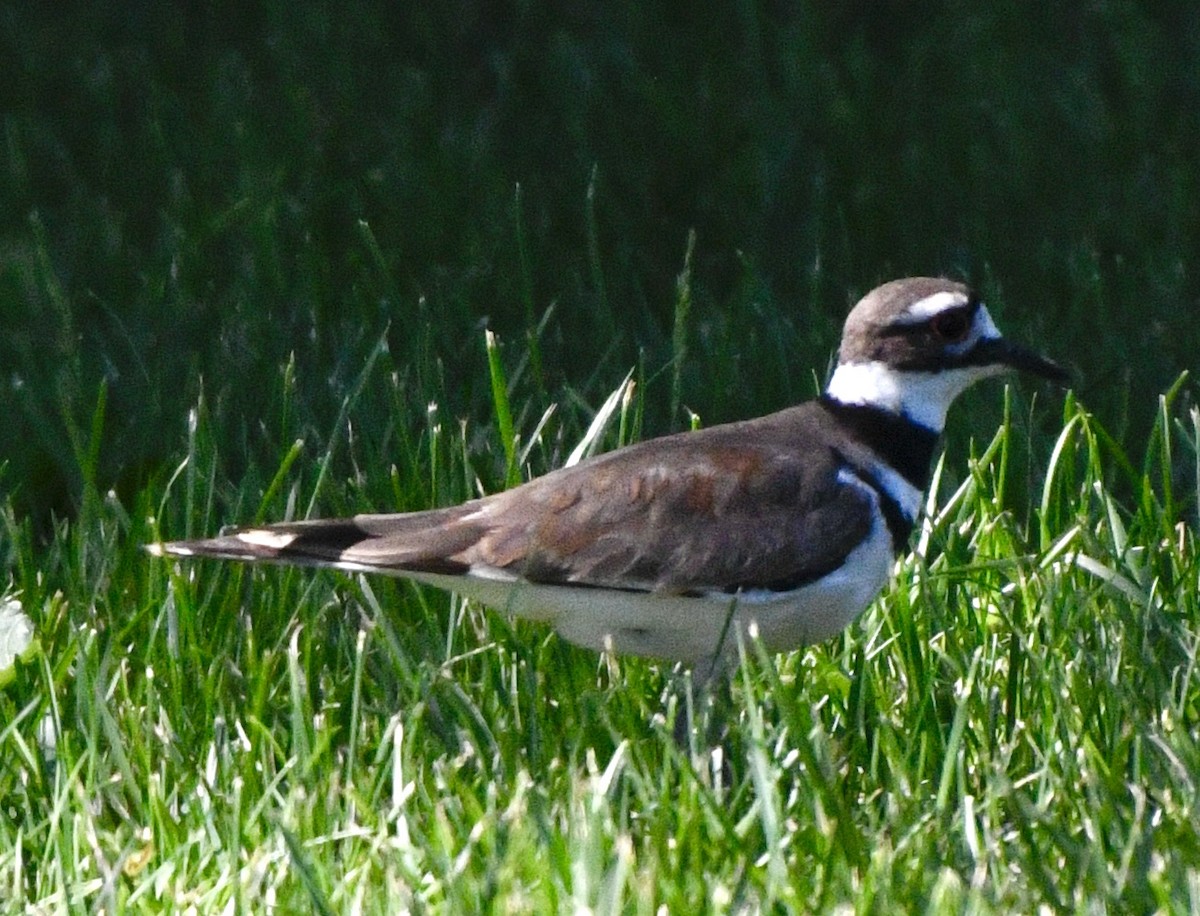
(789, 523)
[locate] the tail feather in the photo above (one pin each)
(415, 542)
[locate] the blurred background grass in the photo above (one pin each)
(193, 195)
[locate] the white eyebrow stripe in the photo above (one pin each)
(924, 309)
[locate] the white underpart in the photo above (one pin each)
(923, 397)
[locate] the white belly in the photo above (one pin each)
(690, 629)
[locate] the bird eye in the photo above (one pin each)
(951, 326)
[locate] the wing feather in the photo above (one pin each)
(738, 517)
(753, 505)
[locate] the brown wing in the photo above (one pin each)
(748, 505)
(726, 517)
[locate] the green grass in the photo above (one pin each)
(249, 257)
(1011, 726)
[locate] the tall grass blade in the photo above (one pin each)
(591, 439)
(679, 333)
(339, 424)
(500, 403)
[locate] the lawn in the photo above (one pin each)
(261, 262)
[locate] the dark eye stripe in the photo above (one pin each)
(951, 325)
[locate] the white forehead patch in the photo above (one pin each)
(985, 328)
(924, 309)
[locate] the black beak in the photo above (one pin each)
(998, 351)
